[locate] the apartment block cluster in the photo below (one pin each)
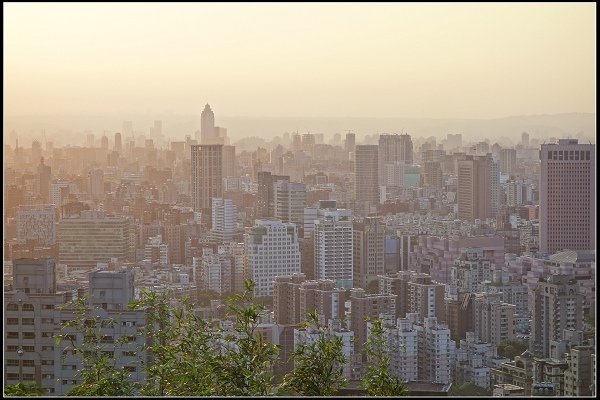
(462, 250)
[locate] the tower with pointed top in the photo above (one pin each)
(207, 125)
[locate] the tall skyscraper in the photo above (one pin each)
(567, 196)
(474, 187)
(207, 175)
(366, 176)
(495, 193)
(44, 177)
(207, 126)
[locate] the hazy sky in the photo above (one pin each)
(289, 59)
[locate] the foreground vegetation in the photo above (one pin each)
(190, 356)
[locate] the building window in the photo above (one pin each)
(12, 307)
(28, 307)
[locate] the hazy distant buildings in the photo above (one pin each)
(567, 196)
(207, 175)
(228, 161)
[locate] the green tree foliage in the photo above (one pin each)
(22, 389)
(469, 389)
(245, 361)
(318, 366)
(512, 348)
(178, 346)
(99, 374)
(377, 380)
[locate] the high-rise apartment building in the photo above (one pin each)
(393, 148)
(207, 126)
(366, 176)
(289, 199)
(556, 305)
(224, 215)
(333, 236)
(369, 254)
(470, 272)
(567, 196)
(432, 175)
(294, 297)
(207, 175)
(493, 319)
(474, 187)
(365, 306)
(495, 194)
(37, 223)
(59, 191)
(272, 250)
(435, 351)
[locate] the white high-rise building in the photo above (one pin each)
(36, 223)
(495, 186)
(224, 215)
(435, 351)
(333, 247)
(272, 250)
(401, 340)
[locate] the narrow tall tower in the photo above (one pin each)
(207, 126)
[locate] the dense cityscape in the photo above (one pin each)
(478, 259)
(299, 199)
